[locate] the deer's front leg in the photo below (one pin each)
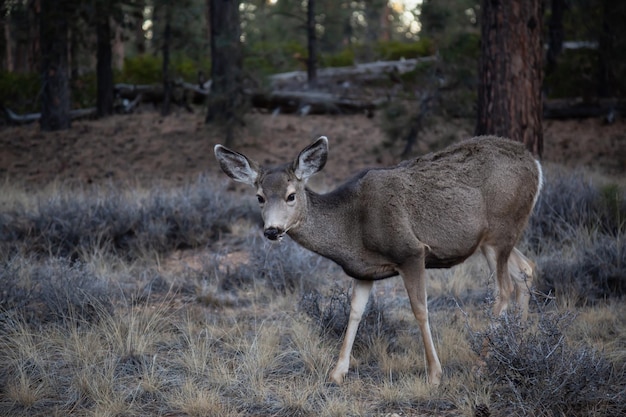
(360, 295)
(414, 275)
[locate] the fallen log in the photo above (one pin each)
(357, 73)
(182, 92)
(562, 109)
(310, 102)
(23, 119)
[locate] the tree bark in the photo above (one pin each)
(311, 67)
(555, 34)
(510, 71)
(104, 71)
(167, 85)
(138, 21)
(8, 42)
(55, 98)
(605, 52)
(226, 97)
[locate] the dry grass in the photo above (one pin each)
(167, 321)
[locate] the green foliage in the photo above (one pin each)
(84, 90)
(19, 92)
(395, 50)
(343, 58)
(265, 58)
(148, 69)
(574, 75)
(142, 69)
(462, 46)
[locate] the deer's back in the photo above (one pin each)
(450, 200)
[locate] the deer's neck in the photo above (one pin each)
(328, 224)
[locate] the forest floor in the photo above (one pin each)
(208, 329)
(146, 147)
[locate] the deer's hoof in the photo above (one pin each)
(434, 379)
(336, 377)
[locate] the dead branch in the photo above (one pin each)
(22, 119)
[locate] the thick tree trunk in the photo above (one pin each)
(55, 97)
(104, 71)
(510, 70)
(226, 64)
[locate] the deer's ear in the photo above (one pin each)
(236, 165)
(312, 159)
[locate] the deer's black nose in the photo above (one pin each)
(273, 233)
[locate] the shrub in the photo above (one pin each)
(570, 202)
(578, 229)
(343, 58)
(267, 58)
(19, 92)
(72, 223)
(330, 314)
(395, 50)
(534, 371)
(54, 290)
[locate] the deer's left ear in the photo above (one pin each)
(312, 159)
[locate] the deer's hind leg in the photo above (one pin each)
(514, 275)
(521, 269)
(497, 259)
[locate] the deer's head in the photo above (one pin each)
(280, 190)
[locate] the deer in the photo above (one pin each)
(433, 211)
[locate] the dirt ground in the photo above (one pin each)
(146, 148)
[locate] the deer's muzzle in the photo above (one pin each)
(274, 233)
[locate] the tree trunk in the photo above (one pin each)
(140, 34)
(226, 65)
(605, 52)
(104, 71)
(167, 85)
(510, 71)
(311, 65)
(8, 45)
(55, 97)
(555, 34)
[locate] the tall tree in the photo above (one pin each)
(104, 70)
(226, 65)
(311, 67)
(55, 97)
(167, 37)
(510, 72)
(556, 34)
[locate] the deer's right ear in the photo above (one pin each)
(312, 159)
(236, 165)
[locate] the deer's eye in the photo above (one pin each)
(260, 199)
(291, 197)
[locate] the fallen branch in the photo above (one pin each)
(358, 73)
(310, 102)
(563, 109)
(23, 119)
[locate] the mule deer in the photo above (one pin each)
(431, 212)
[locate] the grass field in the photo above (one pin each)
(125, 301)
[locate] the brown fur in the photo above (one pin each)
(430, 212)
